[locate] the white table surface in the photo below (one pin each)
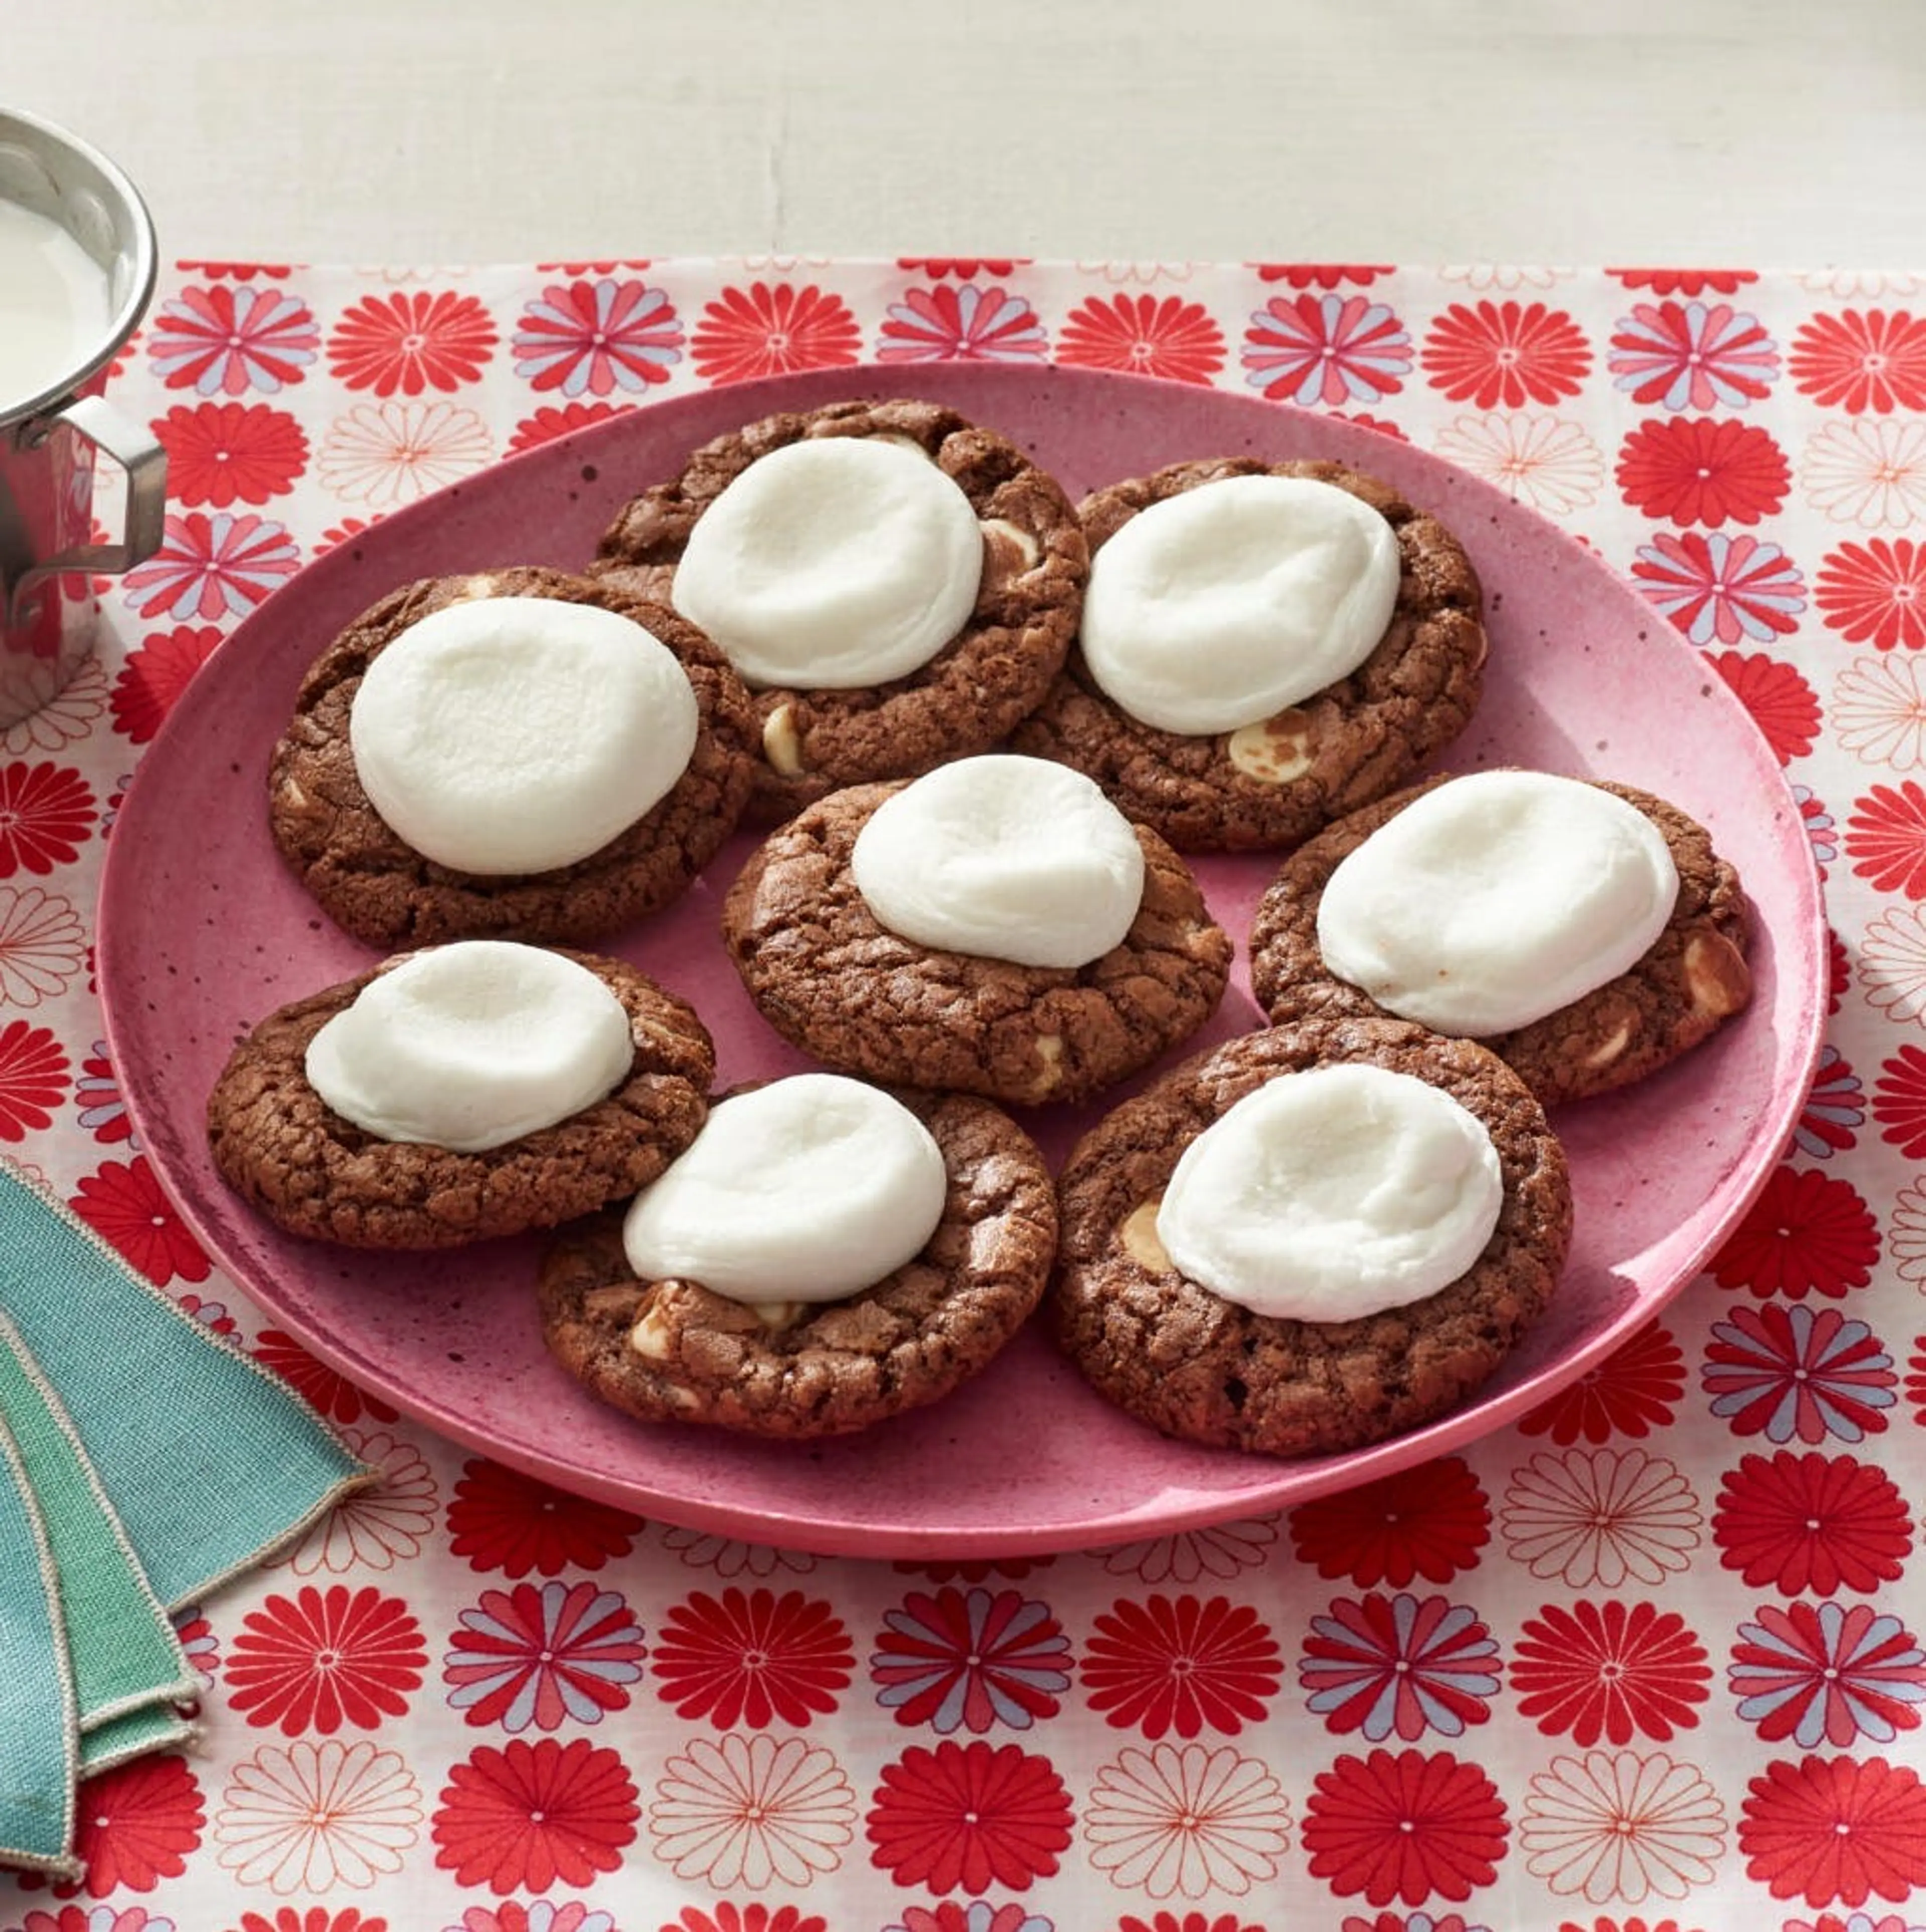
(1776, 133)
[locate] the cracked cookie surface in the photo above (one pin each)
(1195, 1366)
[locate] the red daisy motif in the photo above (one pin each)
(1835, 1108)
(1875, 593)
(1320, 274)
(543, 1655)
(756, 1918)
(518, 1818)
(1143, 335)
(135, 1825)
(124, 1204)
(1430, 1522)
(500, 1519)
(1404, 1827)
(331, 1394)
(1827, 1673)
(47, 813)
(1326, 350)
(34, 1077)
(223, 453)
(961, 322)
(753, 1657)
(548, 423)
(1862, 360)
(1721, 589)
(316, 1919)
(1899, 1101)
(1782, 704)
(1811, 1522)
(770, 329)
(215, 566)
(97, 1094)
(1697, 357)
(320, 1661)
(968, 1659)
(1397, 1665)
(158, 670)
(1503, 356)
(1158, 1921)
(1806, 1234)
(968, 1816)
(1185, 1665)
(1885, 839)
(1687, 282)
(1798, 1373)
(964, 267)
(224, 341)
(1630, 1393)
(971, 1569)
(410, 342)
(1697, 469)
(239, 271)
(1835, 1830)
(1610, 1671)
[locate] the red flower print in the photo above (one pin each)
(1875, 593)
(1166, 1921)
(1686, 281)
(238, 272)
(1798, 1374)
(500, 1519)
(964, 267)
(1862, 361)
(225, 341)
(1811, 1522)
(968, 1661)
(33, 1077)
(135, 1825)
(1404, 1827)
(1827, 1673)
(1320, 274)
(97, 1095)
(213, 567)
(411, 342)
(1398, 1666)
(548, 423)
(968, 1816)
(157, 671)
(1501, 355)
(46, 812)
(323, 1389)
(124, 1206)
(1143, 335)
(1719, 589)
(757, 1918)
(319, 1662)
(223, 453)
(1693, 356)
(1429, 1522)
(1326, 350)
(1782, 704)
(1695, 470)
(1609, 1671)
(770, 329)
(1833, 1831)
(961, 323)
(1186, 1665)
(595, 337)
(316, 1919)
(1899, 1101)
(540, 1656)
(1630, 1393)
(752, 1658)
(1885, 839)
(1835, 1108)
(1806, 1234)
(518, 1818)
(971, 1569)
(1455, 1922)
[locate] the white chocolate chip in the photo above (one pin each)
(483, 583)
(1000, 534)
(1138, 1236)
(1049, 1071)
(1274, 750)
(651, 1336)
(780, 744)
(1609, 1050)
(1716, 976)
(776, 1316)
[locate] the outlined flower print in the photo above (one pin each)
(523, 1817)
(1885, 839)
(1819, 826)
(223, 453)
(967, 1661)
(411, 342)
(1870, 473)
(548, 423)
(47, 813)
(753, 1657)
(1431, 1522)
(1187, 1821)
(1835, 1830)
(961, 322)
(604, 338)
(1778, 698)
(1835, 1109)
(1505, 354)
(543, 1656)
(1811, 1522)
(1404, 1827)
(1875, 593)
(43, 945)
(1143, 335)
(1693, 356)
(1547, 462)
(209, 567)
(501, 1519)
(1325, 349)
(1187, 1665)
(34, 1075)
(1608, 1672)
(1827, 1673)
(1862, 361)
(1808, 1233)
(321, 1660)
(1899, 1101)
(1906, 1233)
(1633, 1391)
(728, 1556)
(1798, 1374)
(224, 341)
(770, 329)
(325, 1390)
(753, 1811)
(375, 1527)
(137, 1824)
(1701, 470)
(757, 1917)
(1601, 1519)
(1719, 588)
(969, 1817)
(318, 1818)
(1399, 1666)
(158, 670)
(1616, 1825)
(381, 455)
(122, 1202)
(63, 717)
(1220, 1551)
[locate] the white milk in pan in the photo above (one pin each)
(55, 306)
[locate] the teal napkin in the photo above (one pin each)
(143, 1461)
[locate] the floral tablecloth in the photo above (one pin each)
(1650, 1661)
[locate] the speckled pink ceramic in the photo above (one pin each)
(202, 932)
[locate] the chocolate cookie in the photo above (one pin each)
(1196, 1366)
(671, 1351)
(1694, 978)
(1270, 784)
(376, 886)
(278, 1143)
(827, 976)
(966, 698)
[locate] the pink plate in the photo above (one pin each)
(202, 932)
